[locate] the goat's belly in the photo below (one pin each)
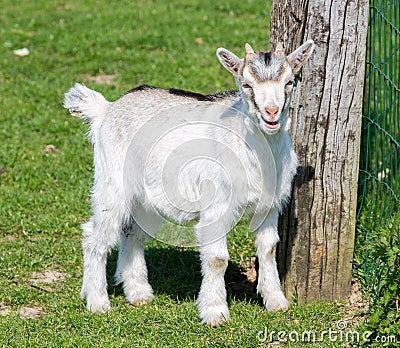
(194, 188)
(202, 190)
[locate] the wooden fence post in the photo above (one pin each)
(317, 230)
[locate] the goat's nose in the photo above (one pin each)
(272, 111)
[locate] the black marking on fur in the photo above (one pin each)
(202, 97)
(267, 57)
(222, 95)
(140, 88)
(188, 94)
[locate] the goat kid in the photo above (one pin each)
(229, 154)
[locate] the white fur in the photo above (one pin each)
(84, 102)
(156, 153)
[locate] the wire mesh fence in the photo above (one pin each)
(379, 182)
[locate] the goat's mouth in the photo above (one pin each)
(270, 124)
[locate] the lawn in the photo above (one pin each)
(46, 174)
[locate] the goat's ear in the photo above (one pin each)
(229, 60)
(279, 48)
(298, 57)
(249, 49)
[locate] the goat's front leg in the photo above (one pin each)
(268, 278)
(212, 303)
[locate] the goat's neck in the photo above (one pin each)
(245, 108)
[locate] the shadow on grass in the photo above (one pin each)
(177, 273)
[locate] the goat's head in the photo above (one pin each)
(265, 80)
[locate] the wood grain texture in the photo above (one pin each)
(318, 227)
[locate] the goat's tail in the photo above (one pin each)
(85, 103)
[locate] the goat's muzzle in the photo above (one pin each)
(271, 117)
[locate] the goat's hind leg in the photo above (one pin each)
(131, 268)
(99, 236)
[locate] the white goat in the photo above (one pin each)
(187, 156)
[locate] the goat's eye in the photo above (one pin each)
(245, 85)
(289, 83)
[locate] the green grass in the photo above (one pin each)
(377, 259)
(44, 197)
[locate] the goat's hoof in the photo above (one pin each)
(214, 317)
(138, 300)
(220, 322)
(138, 294)
(102, 306)
(139, 303)
(281, 307)
(276, 302)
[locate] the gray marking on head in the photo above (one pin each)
(266, 66)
